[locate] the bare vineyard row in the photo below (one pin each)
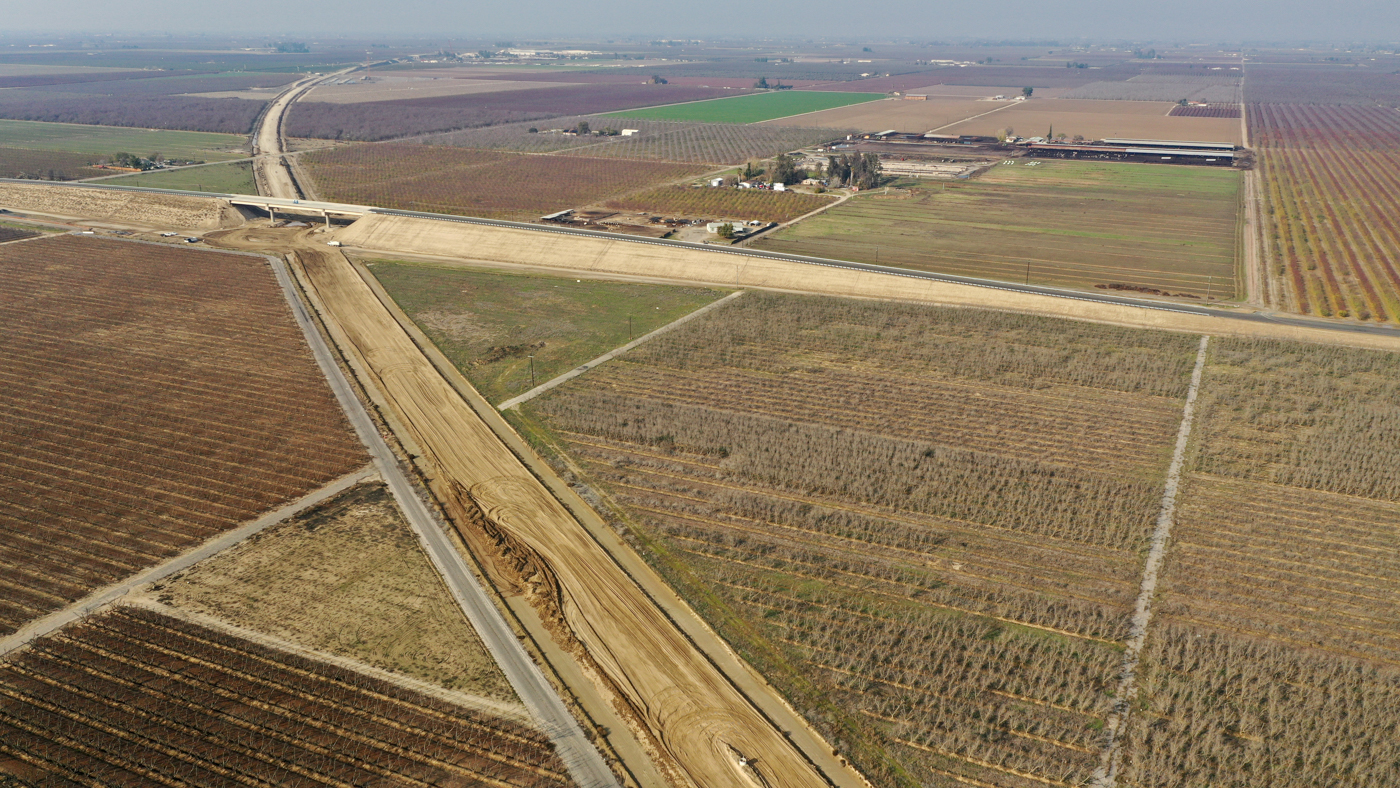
(773, 461)
(156, 397)
(1330, 180)
(1052, 424)
(1034, 498)
(777, 333)
(136, 697)
(1229, 710)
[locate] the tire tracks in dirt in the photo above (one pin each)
(707, 732)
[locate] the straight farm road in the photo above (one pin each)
(1107, 775)
(707, 732)
(615, 352)
(585, 764)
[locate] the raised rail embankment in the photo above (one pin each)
(493, 243)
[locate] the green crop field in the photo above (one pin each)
(235, 177)
(105, 140)
(1144, 227)
(488, 323)
(751, 108)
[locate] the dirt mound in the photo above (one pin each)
(123, 207)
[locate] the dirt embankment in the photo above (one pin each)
(141, 209)
(698, 721)
(453, 240)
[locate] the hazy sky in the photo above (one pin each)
(1200, 20)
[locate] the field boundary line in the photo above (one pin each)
(101, 598)
(516, 712)
(615, 352)
(1007, 105)
(624, 113)
(1107, 773)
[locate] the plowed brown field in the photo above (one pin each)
(154, 397)
(697, 720)
(136, 697)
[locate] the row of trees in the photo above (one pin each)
(861, 171)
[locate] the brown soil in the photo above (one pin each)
(147, 210)
(908, 116)
(346, 577)
(155, 398)
(1096, 119)
(530, 542)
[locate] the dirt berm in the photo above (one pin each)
(701, 724)
(476, 242)
(141, 209)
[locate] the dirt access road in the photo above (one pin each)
(273, 177)
(701, 727)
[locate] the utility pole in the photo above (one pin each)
(532, 371)
(629, 328)
(1209, 281)
(1028, 272)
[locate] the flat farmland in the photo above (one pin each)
(654, 140)
(235, 177)
(908, 116)
(752, 109)
(143, 111)
(136, 697)
(47, 165)
(381, 120)
(1101, 119)
(1140, 226)
(723, 203)
(11, 232)
(155, 397)
(1170, 88)
(489, 323)
(107, 140)
(1330, 180)
(923, 525)
(479, 183)
(346, 577)
(416, 86)
(1277, 661)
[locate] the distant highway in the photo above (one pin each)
(316, 208)
(274, 176)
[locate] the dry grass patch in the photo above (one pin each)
(347, 577)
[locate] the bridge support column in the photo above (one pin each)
(272, 214)
(327, 216)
